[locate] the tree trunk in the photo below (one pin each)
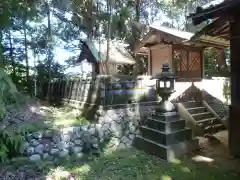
(49, 29)
(26, 52)
(139, 64)
(49, 50)
(109, 9)
(137, 9)
(11, 55)
(1, 49)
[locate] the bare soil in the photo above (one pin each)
(216, 148)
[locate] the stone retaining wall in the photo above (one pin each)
(115, 129)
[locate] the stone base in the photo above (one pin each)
(164, 138)
(170, 152)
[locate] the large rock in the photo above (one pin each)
(47, 134)
(45, 156)
(25, 146)
(84, 128)
(54, 151)
(76, 129)
(34, 142)
(116, 129)
(39, 149)
(56, 138)
(37, 135)
(78, 142)
(29, 151)
(62, 145)
(63, 153)
(77, 150)
(105, 127)
(47, 148)
(35, 157)
(66, 137)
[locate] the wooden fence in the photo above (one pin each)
(102, 91)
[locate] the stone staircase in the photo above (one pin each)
(165, 135)
(204, 118)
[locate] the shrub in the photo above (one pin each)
(10, 140)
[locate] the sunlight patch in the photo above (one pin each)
(202, 159)
(176, 161)
(58, 173)
(166, 177)
(84, 169)
(185, 169)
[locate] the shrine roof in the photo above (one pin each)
(118, 53)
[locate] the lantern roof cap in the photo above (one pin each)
(165, 74)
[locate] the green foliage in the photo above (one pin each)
(211, 65)
(227, 91)
(11, 141)
(8, 93)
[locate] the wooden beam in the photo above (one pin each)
(212, 26)
(220, 29)
(211, 44)
(191, 48)
(225, 31)
(143, 41)
(226, 7)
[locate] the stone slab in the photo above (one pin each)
(168, 153)
(165, 138)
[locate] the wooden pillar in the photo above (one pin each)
(150, 62)
(202, 61)
(234, 113)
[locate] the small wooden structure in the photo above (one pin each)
(95, 52)
(184, 54)
(226, 25)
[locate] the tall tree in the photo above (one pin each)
(26, 45)
(49, 44)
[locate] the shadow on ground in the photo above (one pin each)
(123, 165)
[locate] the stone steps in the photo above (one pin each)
(203, 118)
(214, 129)
(204, 115)
(192, 104)
(207, 122)
(195, 110)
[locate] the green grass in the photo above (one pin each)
(67, 117)
(135, 165)
(61, 117)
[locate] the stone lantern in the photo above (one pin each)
(164, 88)
(164, 134)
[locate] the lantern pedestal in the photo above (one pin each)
(164, 133)
(166, 136)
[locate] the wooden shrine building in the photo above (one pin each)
(95, 53)
(184, 54)
(226, 25)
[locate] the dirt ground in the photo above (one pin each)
(216, 149)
